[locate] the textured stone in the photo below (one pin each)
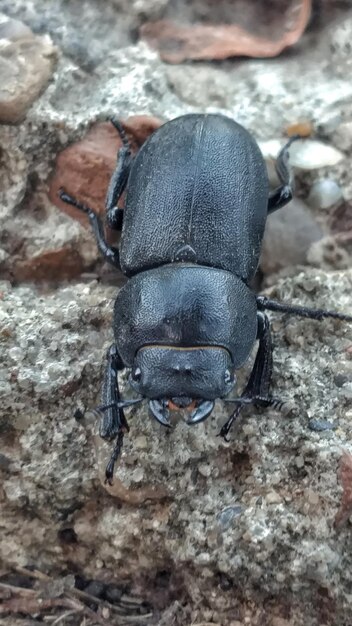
(200, 548)
(26, 66)
(288, 237)
(277, 480)
(328, 253)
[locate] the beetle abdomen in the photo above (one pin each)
(197, 192)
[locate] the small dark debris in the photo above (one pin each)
(95, 588)
(5, 462)
(67, 535)
(162, 579)
(225, 582)
(78, 415)
(340, 380)
(17, 580)
(113, 593)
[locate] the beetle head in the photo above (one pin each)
(182, 378)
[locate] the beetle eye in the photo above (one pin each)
(227, 376)
(137, 374)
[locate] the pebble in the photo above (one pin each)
(299, 462)
(311, 155)
(273, 497)
(320, 425)
(227, 516)
(26, 66)
(340, 379)
(324, 194)
(308, 154)
(288, 238)
(205, 470)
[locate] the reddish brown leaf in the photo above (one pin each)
(177, 43)
(84, 169)
(61, 264)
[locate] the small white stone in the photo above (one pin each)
(270, 149)
(16, 354)
(138, 475)
(306, 154)
(324, 193)
(299, 461)
(273, 497)
(204, 469)
(310, 155)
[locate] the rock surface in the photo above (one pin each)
(256, 531)
(232, 525)
(288, 238)
(26, 65)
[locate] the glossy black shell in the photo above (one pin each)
(197, 191)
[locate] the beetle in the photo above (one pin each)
(197, 200)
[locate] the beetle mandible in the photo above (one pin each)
(197, 200)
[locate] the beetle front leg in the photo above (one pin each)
(283, 194)
(114, 214)
(109, 253)
(257, 390)
(113, 424)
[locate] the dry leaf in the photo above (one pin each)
(177, 43)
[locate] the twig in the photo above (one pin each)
(36, 605)
(19, 590)
(127, 603)
(57, 620)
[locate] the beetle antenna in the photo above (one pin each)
(119, 405)
(302, 311)
(238, 400)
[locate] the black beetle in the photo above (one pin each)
(197, 199)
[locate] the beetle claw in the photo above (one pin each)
(160, 412)
(201, 412)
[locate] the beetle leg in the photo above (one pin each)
(110, 253)
(283, 194)
(113, 423)
(257, 389)
(302, 311)
(118, 180)
(258, 385)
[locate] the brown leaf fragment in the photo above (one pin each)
(177, 43)
(84, 168)
(61, 264)
(345, 478)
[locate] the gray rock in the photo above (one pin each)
(288, 237)
(26, 66)
(262, 516)
(240, 533)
